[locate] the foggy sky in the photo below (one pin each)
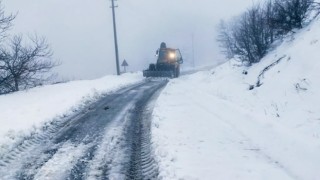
(81, 35)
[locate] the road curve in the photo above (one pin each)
(110, 139)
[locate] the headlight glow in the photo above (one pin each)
(172, 55)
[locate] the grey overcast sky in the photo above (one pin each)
(81, 34)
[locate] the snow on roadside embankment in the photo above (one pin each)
(210, 125)
(25, 111)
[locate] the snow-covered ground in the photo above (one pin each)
(24, 112)
(209, 125)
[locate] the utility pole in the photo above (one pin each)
(115, 36)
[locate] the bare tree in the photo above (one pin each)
(226, 40)
(251, 35)
(316, 7)
(26, 64)
(5, 21)
(5, 24)
(4, 79)
(290, 14)
(269, 14)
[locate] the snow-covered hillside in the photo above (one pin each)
(24, 112)
(209, 125)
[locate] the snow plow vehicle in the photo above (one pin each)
(168, 63)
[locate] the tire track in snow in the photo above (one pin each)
(60, 165)
(142, 160)
(91, 144)
(126, 153)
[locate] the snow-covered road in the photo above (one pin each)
(108, 140)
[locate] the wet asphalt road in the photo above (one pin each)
(109, 139)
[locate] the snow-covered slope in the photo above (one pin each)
(24, 112)
(210, 125)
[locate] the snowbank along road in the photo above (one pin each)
(108, 140)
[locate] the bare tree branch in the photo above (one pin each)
(5, 22)
(27, 64)
(250, 37)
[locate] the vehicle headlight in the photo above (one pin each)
(172, 55)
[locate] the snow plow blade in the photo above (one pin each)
(148, 73)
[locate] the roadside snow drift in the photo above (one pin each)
(209, 125)
(25, 111)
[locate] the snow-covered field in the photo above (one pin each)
(209, 125)
(24, 112)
